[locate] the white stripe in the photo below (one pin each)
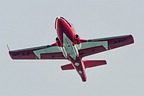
(94, 44)
(46, 50)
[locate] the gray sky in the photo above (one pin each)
(30, 23)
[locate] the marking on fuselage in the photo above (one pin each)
(80, 72)
(70, 49)
(76, 63)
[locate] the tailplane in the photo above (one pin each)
(67, 67)
(87, 64)
(93, 63)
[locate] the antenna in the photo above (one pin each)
(8, 47)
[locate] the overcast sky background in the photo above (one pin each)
(29, 23)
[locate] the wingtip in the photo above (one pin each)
(132, 38)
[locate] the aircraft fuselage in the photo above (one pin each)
(69, 44)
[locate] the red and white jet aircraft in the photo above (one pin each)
(70, 46)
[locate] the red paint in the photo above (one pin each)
(63, 26)
(52, 51)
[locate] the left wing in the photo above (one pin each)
(93, 46)
(42, 52)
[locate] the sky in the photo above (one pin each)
(30, 23)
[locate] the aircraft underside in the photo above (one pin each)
(70, 46)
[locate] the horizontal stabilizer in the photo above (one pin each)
(87, 64)
(67, 67)
(93, 63)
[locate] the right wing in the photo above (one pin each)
(94, 46)
(42, 52)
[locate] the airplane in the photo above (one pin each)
(70, 46)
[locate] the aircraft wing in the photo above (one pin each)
(93, 46)
(42, 52)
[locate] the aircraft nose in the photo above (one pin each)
(59, 26)
(57, 22)
(58, 17)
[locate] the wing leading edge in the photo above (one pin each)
(42, 52)
(94, 46)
